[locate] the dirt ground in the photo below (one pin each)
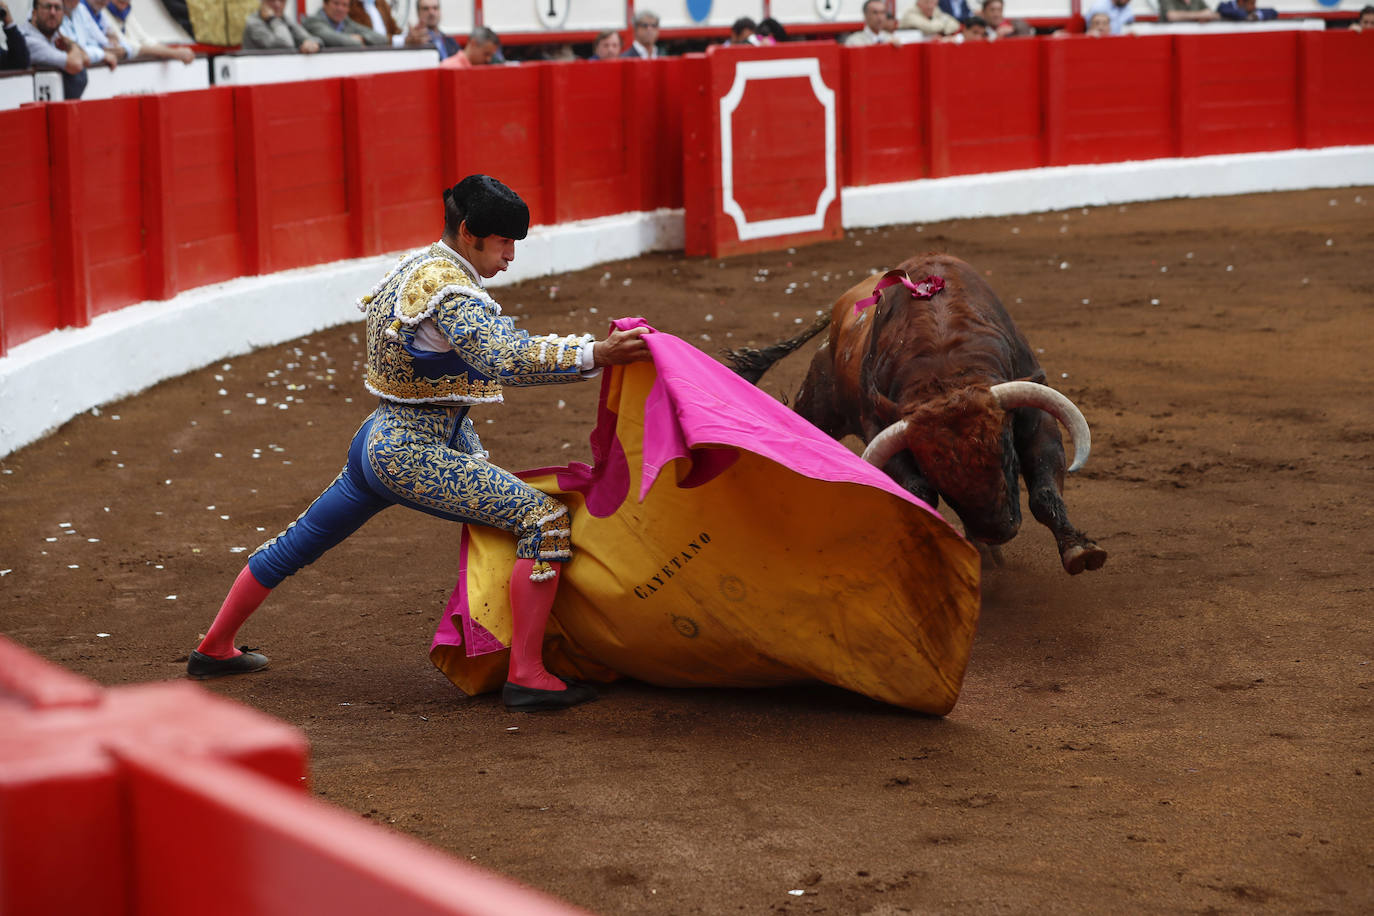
(1188, 730)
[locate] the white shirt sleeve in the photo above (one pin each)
(589, 367)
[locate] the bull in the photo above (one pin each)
(938, 381)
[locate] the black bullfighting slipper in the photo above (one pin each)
(532, 699)
(201, 666)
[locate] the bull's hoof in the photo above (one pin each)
(1083, 556)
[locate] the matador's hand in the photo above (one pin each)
(621, 347)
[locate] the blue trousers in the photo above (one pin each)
(428, 458)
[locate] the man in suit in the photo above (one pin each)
(331, 25)
(959, 9)
(426, 31)
(645, 44)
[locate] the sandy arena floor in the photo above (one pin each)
(1187, 731)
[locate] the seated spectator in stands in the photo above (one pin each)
(482, 48)
(1186, 11)
(332, 27)
(645, 43)
(743, 31)
(16, 56)
(771, 32)
(1119, 13)
(1099, 25)
(268, 29)
(999, 26)
(959, 9)
(377, 17)
(875, 17)
(975, 29)
(425, 31)
(118, 16)
(80, 26)
(563, 51)
(1365, 22)
(48, 47)
(1250, 11)
(607, 46)
(930, 19)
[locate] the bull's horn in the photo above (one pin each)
(1031, 394)
(886, 444)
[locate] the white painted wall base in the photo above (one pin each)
(126, 351)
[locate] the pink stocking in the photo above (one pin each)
(243, 599)
(530, 603)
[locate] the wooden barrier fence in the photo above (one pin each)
(123, 200)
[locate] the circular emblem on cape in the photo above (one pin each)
(732, 588)
(552, 13)
(828, 9)
(685, 626)
(699, 9)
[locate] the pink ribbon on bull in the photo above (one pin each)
(923, 290)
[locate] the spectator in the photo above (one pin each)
(426, 32)
(561, 51)
(890, 25)
(975, 29)
(482, 48)
(875, 17)
(332, 27)
(48, 47)
(1099, 25)
(742, 32)
(118, 17)
(80, 27)
(959, 9)
(16, 56)
(930, 19)
(1366, 20)
(771, 32)
(646, 36)
(1186, 11)
(1119, 13)
(1250, 11)
(269, 29)
(377, 17)
(607, 45)
(1001, 27)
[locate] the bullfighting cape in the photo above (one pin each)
(721, 540)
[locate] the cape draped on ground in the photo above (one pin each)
(721, 540)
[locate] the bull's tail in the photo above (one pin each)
(750, 363)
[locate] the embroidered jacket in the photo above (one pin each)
(487, 349)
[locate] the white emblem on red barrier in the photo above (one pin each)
(764, 70)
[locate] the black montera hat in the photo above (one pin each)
(489, 207)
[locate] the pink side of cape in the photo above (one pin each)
(697, 409)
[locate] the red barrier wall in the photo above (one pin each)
(984, 105)
(293, 200)
(112, 202)
(1109, 99)
(190, 191)
(493, 122)
(392, 160)
(884, 114)
(1237, 93)
(28, 287)
(97, 206)
(1337, 71)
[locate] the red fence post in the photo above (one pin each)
(28, 288)
(392, 160)
(1237, 93)
(1336, 70)
(158, 211)
(885, 114)
(1109, 101)
(986, 107)
(71, 262)
(253, 160)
